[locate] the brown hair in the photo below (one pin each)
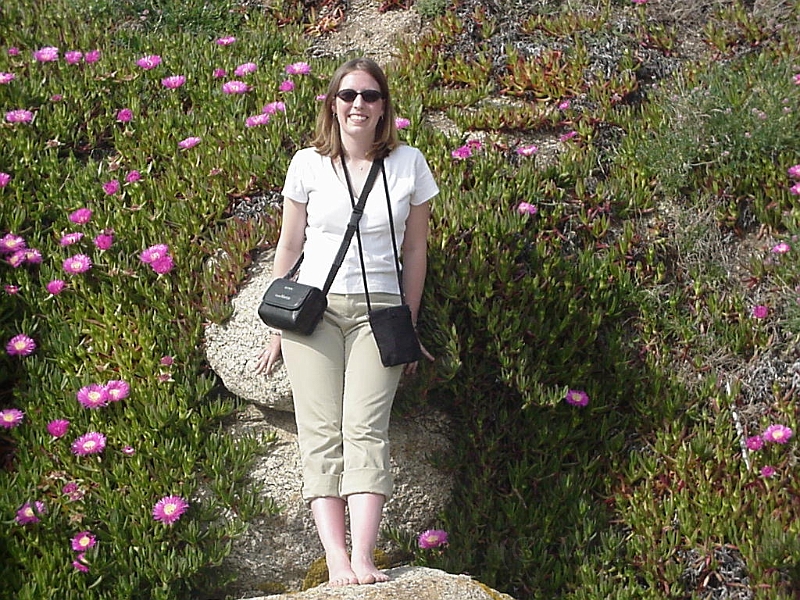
(327, 139)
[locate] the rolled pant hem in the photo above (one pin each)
(367, 481)
(321, 486)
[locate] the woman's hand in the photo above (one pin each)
(270, 355)
(411, 368)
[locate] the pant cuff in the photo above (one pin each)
(367, 481)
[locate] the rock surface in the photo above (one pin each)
(406, 583)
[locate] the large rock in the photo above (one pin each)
(233, 347)
(405, 583)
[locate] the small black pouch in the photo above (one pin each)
(395, 335)
(292, 306)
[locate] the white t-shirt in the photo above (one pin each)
(312, 180)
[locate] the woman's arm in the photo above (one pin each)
(415, 256)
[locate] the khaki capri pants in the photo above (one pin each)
(343, 399)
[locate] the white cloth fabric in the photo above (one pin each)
(312, 180)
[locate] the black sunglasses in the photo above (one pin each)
(369, 96)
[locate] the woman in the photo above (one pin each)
(342, 392)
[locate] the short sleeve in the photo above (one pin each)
(293, 187)
(425, 186)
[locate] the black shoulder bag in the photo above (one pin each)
(392, 327)
(292, 306)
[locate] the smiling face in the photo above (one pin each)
(358, 118)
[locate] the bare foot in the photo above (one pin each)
(366, 571)
(340, 573)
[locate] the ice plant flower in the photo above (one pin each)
(274, 107)
(433, 538)
(781, 248)
(92, 56)
(124, 115)
(564, 105)
(83, 541)
(7, 78)
(235, 87)
(111, 187)
(13, 51)
(89, 443)
(20, 345)
(29, 512)
(11, 289)
(93, 396)
(103, 241)
(794, 172)
(760, 311)
(256, 120)
(568, 136)
(80, 563)
(163, 265)
(795, 189)
(219, 73)
(151, 61)
(46, 54)
(17, 259)
(577, 398)
(117, 390)
(526, 208)
(11, 243)
(527, 150)
(154, 253)
(128, 450)
(32, 256)
(55, 286)
(80, 263)
(225, 41)
(72, 491)
(4, 179)
(461, 153)
(73, 57)
(81, 216)
(189, 142)
(245, 69)
(19, 115)
(754, 443)
(173, 82)
(58, 427)
(298, 68)
(11, 417)
(169, 509)
(779, 434)
(133, 176)
(401, 122)
(70, 238)
(767, 471)
(167, 361)
(286, 86)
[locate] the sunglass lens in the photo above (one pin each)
(371, 96)
(347, 95)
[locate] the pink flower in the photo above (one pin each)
(55, 286)
(163, 265)
(148, 62)
(80, 563)
(46, 54)
(796, 79)
(433, 538)
(92, 56)
(173, 82)
(760, 311)
(527, 150)
(795, 189)
(111, 187)
(93, 396)
(167, 361)
(225, 41)
(794, 172)
(255, 120)
(11, 243)
(128, 450)
(189, 142)
(401, 122)
(73, 57)
(461, 153)
(17, 259)
(32, 256)
(154, 253)
(169, 509)
(70, 238)
(767, 471)
(781, 248)
(577, 398)
(286, 86)
(29, 512)
(19, 116)
(245, 69)
(526, 208)
(117, 390)
(72, 491)
(133, 176)
(6, 78)
(124, 115)
(80, 263)
(754, 443)
(235, 87)
(274, 107)
(11, 417)
(103, 241)
(20, 345)
(777, 433)
(568, 136)
(4, 179)
(58, 427)
(563, 105)
(89, 443)
(219, 73)
(83, 541)
(11, 289)
(81, 216)
(298, 68)
(639, 1)
(13, 51)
